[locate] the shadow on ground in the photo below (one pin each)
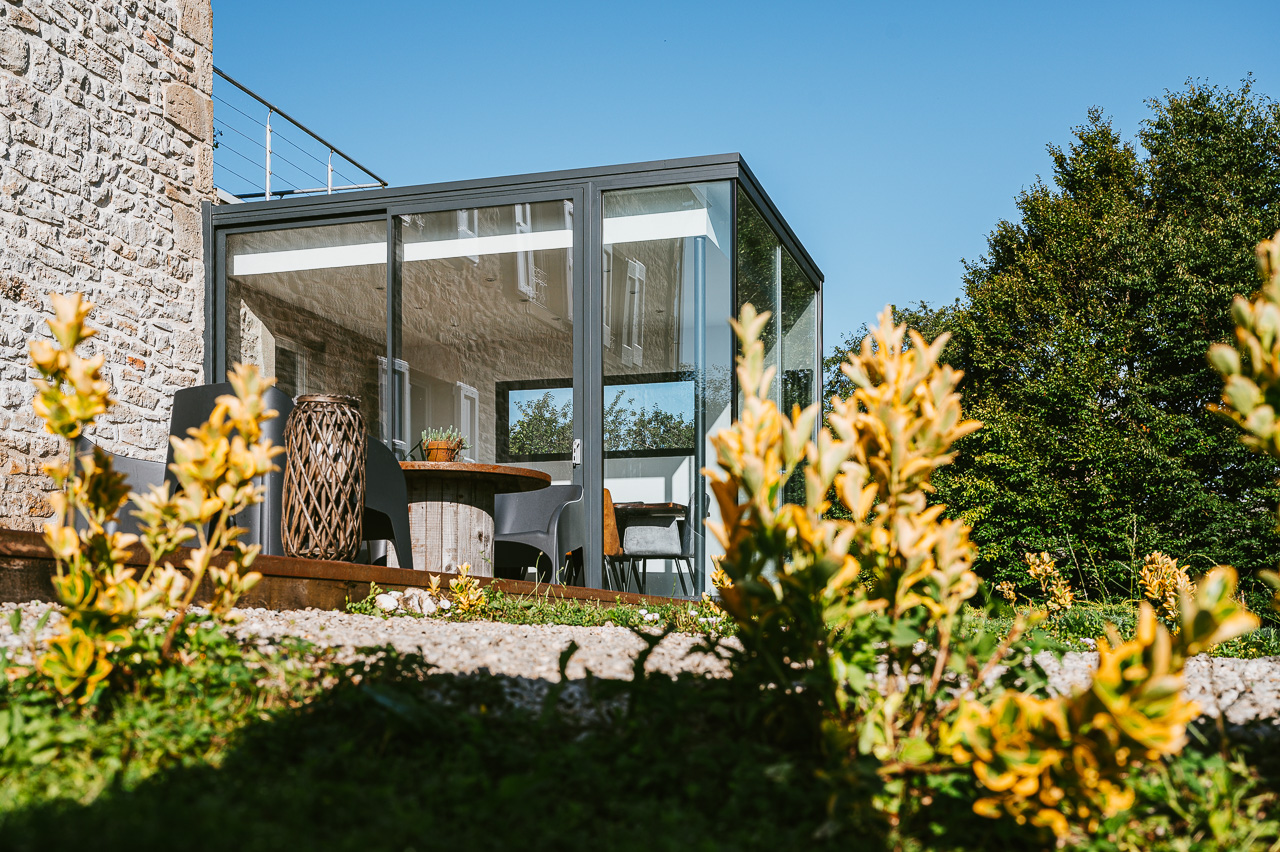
(405, 761)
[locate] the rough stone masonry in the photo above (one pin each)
(106, 152)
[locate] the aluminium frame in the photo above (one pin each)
(585, 188)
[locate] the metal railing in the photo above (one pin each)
(237, 151)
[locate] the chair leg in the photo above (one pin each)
(400, 531)
(641, 577)
(615, 573)
(680, 564)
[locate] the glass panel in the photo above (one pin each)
(759, 274)
(486, 344)
(309, 306)
(799, 337)
(666, 355)
(799, 376)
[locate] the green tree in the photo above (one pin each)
(542, 427)
(1083, 334)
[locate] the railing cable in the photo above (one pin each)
(271, 150)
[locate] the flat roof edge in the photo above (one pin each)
(355, 202)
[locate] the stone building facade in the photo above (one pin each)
(106, 153)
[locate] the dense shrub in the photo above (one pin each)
(1082, 335)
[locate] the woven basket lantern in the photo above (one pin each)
(324, 483)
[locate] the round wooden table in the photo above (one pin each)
(451, 510)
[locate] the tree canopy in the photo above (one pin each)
(1083, 333)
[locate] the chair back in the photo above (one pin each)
(386, 498)
(612, 542)
(531, 511)
(191, 408)
(139, 476)
(655, 537)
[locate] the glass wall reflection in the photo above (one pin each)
(759, 274)
(482, 320)
(665, 288)
(486, 331)
(308, 306)
(770, 279)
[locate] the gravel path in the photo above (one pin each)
(529, 651)
(1245, 692)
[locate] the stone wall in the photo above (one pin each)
(106, 130)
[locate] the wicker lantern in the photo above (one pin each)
(324, 482)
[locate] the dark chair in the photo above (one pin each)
(658, 537)
(191, 408)
(530, 525)
(386, 502)
(139, 475)
(386, 510)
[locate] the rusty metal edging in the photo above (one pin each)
(26, 552)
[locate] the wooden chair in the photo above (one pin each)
(615, 560)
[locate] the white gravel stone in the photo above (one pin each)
(1244, 692)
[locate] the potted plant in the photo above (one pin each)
(443, 445)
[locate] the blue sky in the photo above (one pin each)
(893, 137)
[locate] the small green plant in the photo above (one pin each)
(367, 605)
(448, 434)
(1053, 585)
(1164, 582)
(467, 595)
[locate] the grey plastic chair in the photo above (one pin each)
(646, 538)
(386, 509)
(530, 525)
(139, 475)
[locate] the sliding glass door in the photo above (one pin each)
(307, 305)
(483, 332)
(665, 358)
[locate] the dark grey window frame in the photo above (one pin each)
(584, 187)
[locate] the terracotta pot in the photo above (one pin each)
(442, 451)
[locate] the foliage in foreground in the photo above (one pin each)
(102, 598)
(384, 755)
(821, 601)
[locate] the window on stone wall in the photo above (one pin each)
(469, 229)
(291, 367)
(633, 316)
(606, 279)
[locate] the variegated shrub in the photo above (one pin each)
(102, 598)
(854, 630)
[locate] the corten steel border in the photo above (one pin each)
(26, 565)
(585, 187)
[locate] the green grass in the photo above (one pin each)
(1063, 632)
(546, 608)
(1085, 620)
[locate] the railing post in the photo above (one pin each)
(272, 111)
(267, 195)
